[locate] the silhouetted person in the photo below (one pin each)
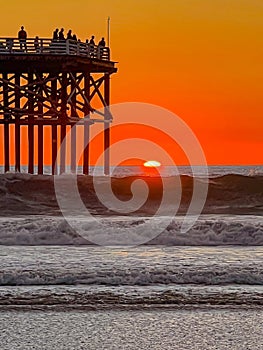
(101, 45)
(61, 35)
(102, 42)
(36, 44)
(74, 37)
(92, 46)
(87, 47)
(55, 34)
(92, 42)
(22, 36)
(69, 35)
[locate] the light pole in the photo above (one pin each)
(108, 32)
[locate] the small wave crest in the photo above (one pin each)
(209, 273)
(90, 297)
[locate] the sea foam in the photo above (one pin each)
(208, 230)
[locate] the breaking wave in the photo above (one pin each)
(23, 194)
(74, 266)
(232, 214)
(209, 230)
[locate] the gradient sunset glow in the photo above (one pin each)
(201, 59)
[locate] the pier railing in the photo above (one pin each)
(42, 46)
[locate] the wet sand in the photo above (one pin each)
(156, 329)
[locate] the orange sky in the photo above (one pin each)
(201, 59)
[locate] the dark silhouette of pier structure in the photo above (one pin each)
(52, 84)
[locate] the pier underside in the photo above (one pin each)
(55, 90)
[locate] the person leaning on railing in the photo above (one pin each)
(55, 35)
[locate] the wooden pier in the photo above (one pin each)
(53, 84)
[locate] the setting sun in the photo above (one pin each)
(152, 164)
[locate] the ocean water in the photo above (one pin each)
(123, 171)
(200, 289)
